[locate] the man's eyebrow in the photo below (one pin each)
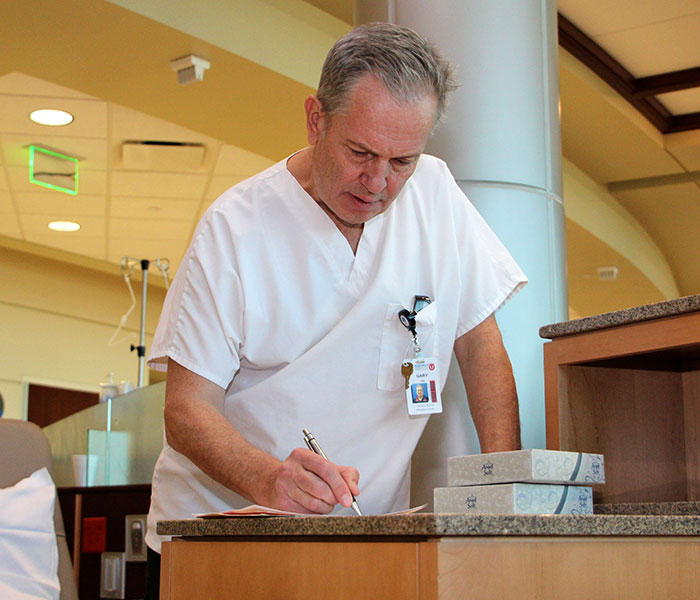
(364, 148)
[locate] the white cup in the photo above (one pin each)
(81, 464)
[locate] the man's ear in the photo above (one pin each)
(314, 119)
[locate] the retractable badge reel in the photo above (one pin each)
(420, 373)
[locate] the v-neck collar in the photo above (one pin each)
(351, 270)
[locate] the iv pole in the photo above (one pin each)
(141, 348)
(127, 264)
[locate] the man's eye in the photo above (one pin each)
(358, 152)
(403, 162)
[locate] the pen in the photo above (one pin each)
(314, 447)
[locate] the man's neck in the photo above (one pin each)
(299, 165)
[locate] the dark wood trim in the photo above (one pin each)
(639, 92)
(667, 82)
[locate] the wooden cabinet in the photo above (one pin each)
(632, 393)
(479, 568)
(112, 503)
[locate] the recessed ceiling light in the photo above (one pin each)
(64, 226)
(51, 116)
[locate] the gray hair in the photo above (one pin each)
(406, 63)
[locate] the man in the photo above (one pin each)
(294, 279)
(420, 393)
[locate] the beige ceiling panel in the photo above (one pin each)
(165, 185)
(3, 179)
(597, 17)
(58, 205)
(671, 215)
(149, 249)
(220, 183)
(90, 116)
(34, 225)
(92, 152)
(685, 147)
(86, 245)
(674, 41)
(601, 140)
(128, 124)
(237, 161)
(153, 208)
(8, 223)
(31, 86)
(89, 182)
(686, 101)
(149, 230)
(6, 205)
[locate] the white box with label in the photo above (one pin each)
(535, 466)
(515, 498)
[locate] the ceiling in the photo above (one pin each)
(109, 67)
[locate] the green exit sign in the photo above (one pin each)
(53, 170)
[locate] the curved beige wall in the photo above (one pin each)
(589, 205)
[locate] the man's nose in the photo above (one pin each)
(374, 176)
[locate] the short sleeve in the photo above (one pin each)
(489, 274)
(201, 322)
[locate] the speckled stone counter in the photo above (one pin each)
(430, 525)
(668, 308)
(426, 556)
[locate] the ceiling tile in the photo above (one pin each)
(679, 103)
(37, 225)
(674, 42)
(3, 180)
(92, 152)
(128, 124)
(90, 116)
(19, 84)
(61, 205)
(236, 161)
(597, 17)
(153, 208)
(87, 245)
(165, 185)
(154, 230)
(89, 182)
(6, 205)
(8, 223)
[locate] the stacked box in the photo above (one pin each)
(520, 482)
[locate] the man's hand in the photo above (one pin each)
(488, 380)
(196, 428)
(306, 482)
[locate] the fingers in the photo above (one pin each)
(314, 484)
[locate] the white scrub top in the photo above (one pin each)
(271, 304)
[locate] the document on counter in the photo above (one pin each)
(255, 510)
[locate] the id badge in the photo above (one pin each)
(422, 386)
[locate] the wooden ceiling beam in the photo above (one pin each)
(639, 92)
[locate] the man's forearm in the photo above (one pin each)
(196, 428)
(490, 386)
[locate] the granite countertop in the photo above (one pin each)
(432, 525)
(667, 308)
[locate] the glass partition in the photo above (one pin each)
(121, 440)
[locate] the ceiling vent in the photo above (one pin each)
(152, 155)
(607, 273)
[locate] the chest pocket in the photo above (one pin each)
(396, 340)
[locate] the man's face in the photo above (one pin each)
(363, 156)
(419, 392)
